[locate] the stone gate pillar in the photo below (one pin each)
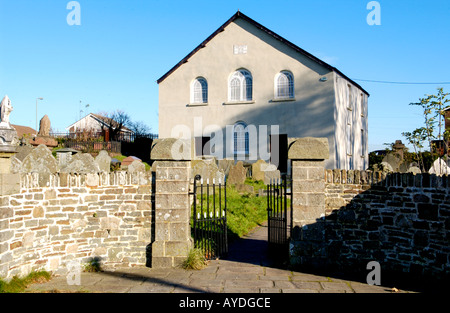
(307, 157)
(172, 230)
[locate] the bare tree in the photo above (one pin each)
(114, 122)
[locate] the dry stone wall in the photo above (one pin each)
(401, 221)
(75, 217)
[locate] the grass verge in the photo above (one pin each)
(17, 285)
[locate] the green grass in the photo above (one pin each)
(17, 285)
(93, 266)
(245, 211)
(195, 260)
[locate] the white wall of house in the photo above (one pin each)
(86, 123)
(351, 115)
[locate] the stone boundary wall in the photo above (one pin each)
(59, 218)
(400, 220)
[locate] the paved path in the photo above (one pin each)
(246, 270)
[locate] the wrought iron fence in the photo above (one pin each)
(209, 218)
(93, 146)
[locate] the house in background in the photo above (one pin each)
(24, 131)
(97, 125)
(244, 91)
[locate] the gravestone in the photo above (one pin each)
(237, 174)
(64, 156)
(39, 160)
(225, 165)
(16, 165)
(136, 166)
(271, 175)
(208, 170)
(386, 167)
(393, 160)
(265, 172)
(439, 167)
(258, 170)
(82, 163)
(104, 161)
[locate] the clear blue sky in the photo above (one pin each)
(113, 59)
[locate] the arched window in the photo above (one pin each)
(241, 86)
(241, 139)
(284, 85)
(199, 91)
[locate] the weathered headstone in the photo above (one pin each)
(208, 170)
(271, 175)
(136, 166)
(393, 160)
(258, 171)
(16, 165)
(237, 174)
(9, 181)
(244, 188)
(82, 163)
(23, 151)
(225, 165)
(104, 161)
(64, 156)
(39, 160)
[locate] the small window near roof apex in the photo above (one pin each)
(199, 91)
(284, 85)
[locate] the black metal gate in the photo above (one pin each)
(209, 217)
(279, 210)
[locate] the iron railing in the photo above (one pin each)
(209, 220)
(279, 211)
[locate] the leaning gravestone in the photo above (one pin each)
(237, 174)
(104, 161)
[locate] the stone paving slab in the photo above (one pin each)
(233, 275)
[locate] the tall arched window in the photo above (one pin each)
(284, 85)
(241, 86)
(199, 91)
(241, 139)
